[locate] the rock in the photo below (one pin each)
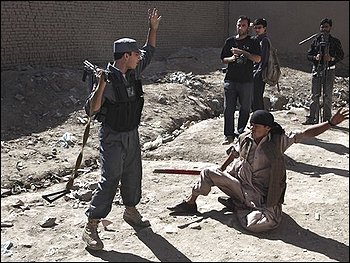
(49, 222)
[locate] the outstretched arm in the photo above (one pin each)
(153, 20)
(314, 130)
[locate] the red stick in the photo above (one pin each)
(177, 171)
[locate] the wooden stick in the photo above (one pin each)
(177, 171)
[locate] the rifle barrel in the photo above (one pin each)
(307, 39)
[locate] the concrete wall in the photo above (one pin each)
(64, 33)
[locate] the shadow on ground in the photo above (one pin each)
(161, 248)
(289, 232)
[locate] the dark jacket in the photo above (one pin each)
(319, 46)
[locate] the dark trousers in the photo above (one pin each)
(232, 92)
(120, 163)
(258, 93)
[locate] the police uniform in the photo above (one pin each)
(120, 150)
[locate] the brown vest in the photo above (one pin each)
(277, 176)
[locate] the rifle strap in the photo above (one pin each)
(69, 184)
(54, 196)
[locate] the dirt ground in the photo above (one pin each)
(42, 124)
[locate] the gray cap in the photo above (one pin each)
(125, 45)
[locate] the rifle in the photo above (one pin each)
(309, 38)
(92, 70)
(322, 69)
(323, 50)
(322, 65)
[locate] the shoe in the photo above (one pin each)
(227, 202)
(90, 235)
(228, 140)
(134, 218)
(184, 208)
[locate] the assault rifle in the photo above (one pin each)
(322, 66)
(92, 70)
(323, 50)
(309, 38)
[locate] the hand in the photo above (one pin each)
(236, 51)
(101, 75)
(327, 58)
(233, 58)
(341, 115)
(234, 153)
(153, 18)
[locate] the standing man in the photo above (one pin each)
(239, 52)
(260, 27)
(118, 105)
(324, 53)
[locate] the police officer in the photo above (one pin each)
(117, 104)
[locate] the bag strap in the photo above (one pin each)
(271, 50)
(269, 42)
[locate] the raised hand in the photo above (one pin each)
(153, 18)
(341, 115)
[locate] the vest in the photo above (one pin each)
(125, 113)
(277, 175)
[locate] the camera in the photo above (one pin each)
(241, 59)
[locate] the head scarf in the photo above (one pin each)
(262, 117)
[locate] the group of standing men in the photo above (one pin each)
(254, 174)
(247, 56)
